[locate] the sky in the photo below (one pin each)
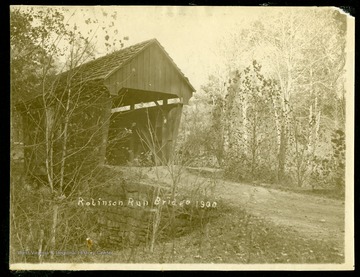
(192, 36)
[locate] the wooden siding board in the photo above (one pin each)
(119, 80)
(137, 66)
(152, 68)
(160, 73)
(141, 69)
(146, 69)
(132, 75)
(135, 78)
(164, 74)
(163, 69)
(156, 69)
(168, 76)
(129, 77)
(153, 72)
(173, 84)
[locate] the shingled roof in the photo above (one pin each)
(95, 73)
(103, 67)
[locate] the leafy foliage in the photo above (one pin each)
(249, 128)
(282, 100)
(63, 129)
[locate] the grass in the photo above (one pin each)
(322, 192)
(328, 192)
(232, 237)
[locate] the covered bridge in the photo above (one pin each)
(115, 108)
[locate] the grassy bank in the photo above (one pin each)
(234, 237)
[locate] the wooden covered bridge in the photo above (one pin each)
(114, 109)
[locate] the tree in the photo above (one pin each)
(303, 50)
(215, 91)
(55, 110)
(248, 107)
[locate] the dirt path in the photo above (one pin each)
(312, 216)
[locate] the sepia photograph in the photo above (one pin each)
(181, 138)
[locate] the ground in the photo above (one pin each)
(251, 224)
(312, 216)
(255, 224)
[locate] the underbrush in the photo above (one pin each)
(332, 193)
(322, 192)
(226, 235)
(32, 214)
(232, 237)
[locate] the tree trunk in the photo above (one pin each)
(49, 123)
(53, 231)
(282, 155)
(65, 141)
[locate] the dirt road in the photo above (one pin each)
(311, 216)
